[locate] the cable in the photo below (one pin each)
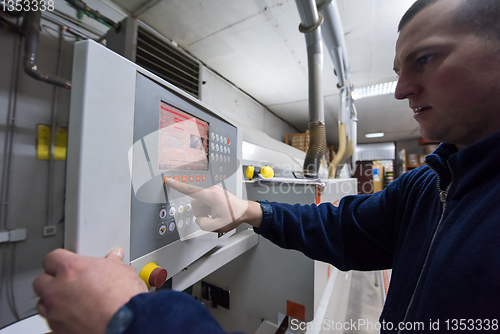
(2, 275)
(12, 300)
(46, 28)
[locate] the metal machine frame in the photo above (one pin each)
(98, 191)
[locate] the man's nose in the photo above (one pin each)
(406, 86)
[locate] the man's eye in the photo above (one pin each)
(424, 60)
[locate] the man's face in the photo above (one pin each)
(450, 76)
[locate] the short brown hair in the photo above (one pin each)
(481, 16)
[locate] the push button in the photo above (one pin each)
(203, 178)
(197, 178)
(188, 206)
(153, 275)
(191, 178)
(180, 209)
(162, 230)
(184, 178)
(171, 211)
(163, 213)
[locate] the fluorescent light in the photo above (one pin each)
(374, 135)
(375, 90)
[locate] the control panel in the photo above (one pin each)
(130, 130)
(174, 138)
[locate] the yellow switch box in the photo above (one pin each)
(43, 144)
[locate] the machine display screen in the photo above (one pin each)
(183, 140)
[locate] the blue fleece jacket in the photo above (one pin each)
(437, 227)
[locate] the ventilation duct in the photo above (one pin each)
(140, 44)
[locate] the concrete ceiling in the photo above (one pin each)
(256, 44)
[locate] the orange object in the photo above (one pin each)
(197, 178)
(176, 178)
(191, 178)
(165, 178)
(184, 178)
(295, 310)
(317, 195)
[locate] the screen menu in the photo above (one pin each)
(183, 140)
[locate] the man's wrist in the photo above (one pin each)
(253, 214)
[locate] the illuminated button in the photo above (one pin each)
(197, 178)
(212, 146)
(220, 177)
(216, 137)
(228, 142)
(188, 221)
(162, 230)
(191, 178)
(184, 178)
(213, 136)
(171, 226)
(166, 177)
(216, 177)
(176, 177)
(220, 169)
(228, 150)
(180, 223)
(171, 211)
(163, 213)
(203, 178)
(224, 177)
(180, 209)
(188, 206)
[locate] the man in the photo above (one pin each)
(437, 227)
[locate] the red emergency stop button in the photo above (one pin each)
(153, 275)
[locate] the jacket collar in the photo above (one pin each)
(481, 157)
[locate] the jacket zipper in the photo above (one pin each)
(442, 196)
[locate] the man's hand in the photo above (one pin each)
(80, 294)
(216, 209)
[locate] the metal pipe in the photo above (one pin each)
(53, 119)
(9, 134)
(310, 26)
(80, 5)
(70, 27)
(30, 49)
(333, 36)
